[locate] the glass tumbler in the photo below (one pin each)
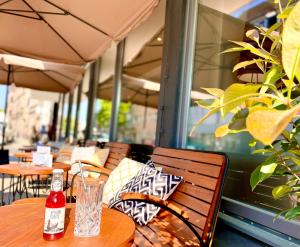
(88, 207)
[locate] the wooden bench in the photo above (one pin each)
(117, 151)
(198, 195)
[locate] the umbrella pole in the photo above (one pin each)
(145, 115)
(5, 107)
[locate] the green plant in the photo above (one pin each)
(269, 111)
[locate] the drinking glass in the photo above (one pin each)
(88, 207)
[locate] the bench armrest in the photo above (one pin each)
(150, 198)
(162, 204)
(98, 168)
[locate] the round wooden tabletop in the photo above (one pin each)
(22, 225)
(18, 169)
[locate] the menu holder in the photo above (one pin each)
(42, 159)
(43, 150)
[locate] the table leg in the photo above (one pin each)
(38, 184)
(20, 187)
(2, 188)
(25, 186)
(67, 180)
(14, 189)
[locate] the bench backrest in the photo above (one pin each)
(200, 192)
(117, 151)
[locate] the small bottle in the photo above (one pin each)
(55, 208)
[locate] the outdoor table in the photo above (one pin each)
(24, 156)
(23, 170)
(22, 225)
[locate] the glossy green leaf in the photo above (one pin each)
(235, 95)
(291, 44)
(245, 64)
(252, 143)
(222, 131)
(293, 213)
(273, 75)
(285, 13)
(253, 34)
(263, 172)
(267, 124)
(207, 103)
(281, 191)
(233, 49)
(238, 121)
(217, 92)
(257, 51)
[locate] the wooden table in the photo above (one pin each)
(22, 225)
(23, 170)
(27, 156)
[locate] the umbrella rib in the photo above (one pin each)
(57, 82)
(30, 11)
(5, 2)
(78, 18)
(53, 29)
(25, 16)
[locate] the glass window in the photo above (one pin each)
(218, 22)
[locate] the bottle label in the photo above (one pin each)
(54, 220)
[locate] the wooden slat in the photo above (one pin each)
(117, 156)
(140, 240)
(175, 232)
(202, 168)
(118, 150)
(196, 191)
(150, 235)
(201, 180)
(195, 218)
(191, 202)
(110, 166)
(210, 158)
(112, 161)
(117, 145)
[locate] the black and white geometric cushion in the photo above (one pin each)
(148, 181)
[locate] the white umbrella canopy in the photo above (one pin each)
(40, 75)
(68, 31)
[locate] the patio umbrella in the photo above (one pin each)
(69, 31)
(134, 90)
(36, 74)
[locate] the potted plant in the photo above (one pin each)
(269, 111)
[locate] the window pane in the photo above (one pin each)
(218, 22)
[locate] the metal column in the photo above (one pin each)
(70, 105)
(117, 91)
(176, 75)
(93, 84)
(54, 121)
(79, 91)
(6, 105)
(61, 117)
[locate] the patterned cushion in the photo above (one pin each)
(148, 181)
(125, 171)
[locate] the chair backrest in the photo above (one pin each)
(200, 192)
(117, 151)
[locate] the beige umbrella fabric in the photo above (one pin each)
(134, 90)
(40, 75)
(68, 31)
